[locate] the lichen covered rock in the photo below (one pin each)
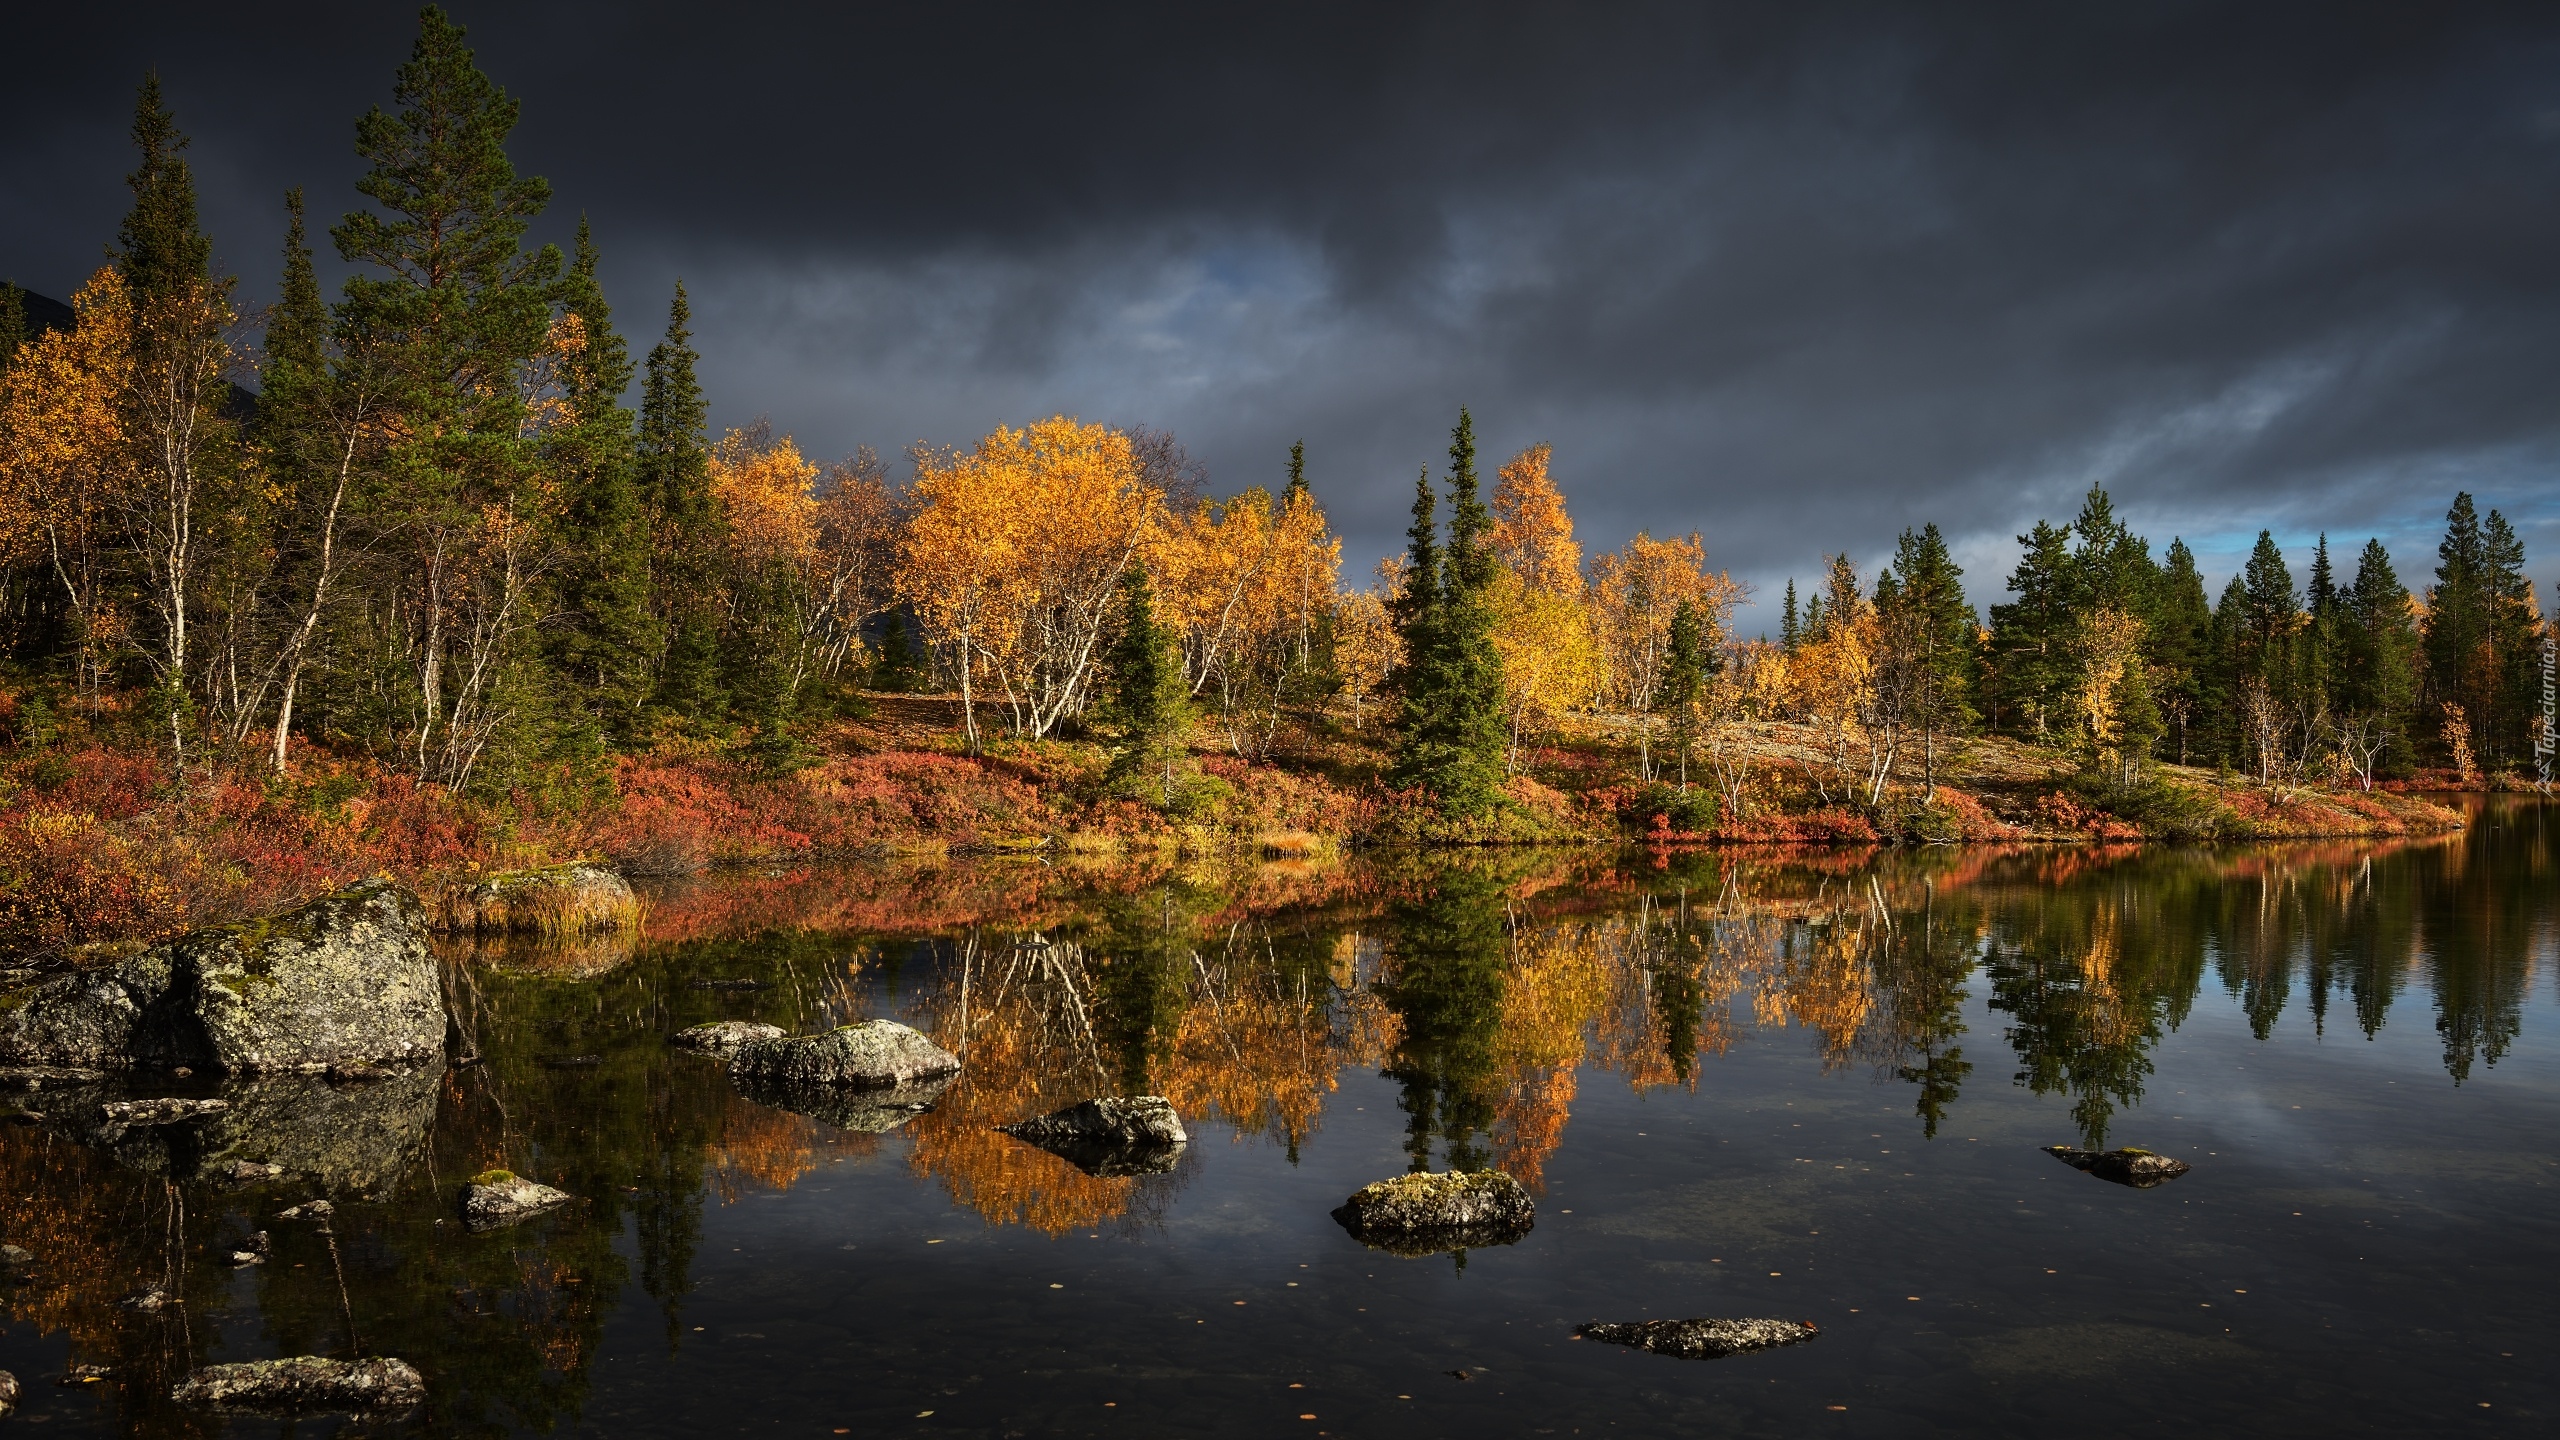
(1111, 1136)
(8, 1393)
(2129, 1166)
(1701, 1339)
(346, 977)
(724, 1035)
(1425, 1213)
(499, 1198)
(874, 1053)
(304, 1385)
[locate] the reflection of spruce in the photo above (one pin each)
(1448, 952)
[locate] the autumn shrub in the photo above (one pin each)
(2158, 807)
(1666, 809)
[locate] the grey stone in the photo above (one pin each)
(722, 1035)
(2129, 1166)
(8, 1393)
(15, 1257)
(871, 1109)
(39, 1077)
(308, 1210)
(499, 1198)
(1701, 1339)
(1426, 1214)
(346, 977)
(1110, 1137)
(873, 1053)
(149, 1301)
(304, 1385)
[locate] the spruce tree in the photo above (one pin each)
(1789, 635)
(1940, 629)
(2138, 722)
(160, 252)
(2177, 642)
(1148, 699)
(1297, 474)
(675, 485)
(609, 638)
(898, 668)
(1453, 739)
(1684, 680)
(2514, 681)
(2027, 674)
(2377, 669)
(1415, 609)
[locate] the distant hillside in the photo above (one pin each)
(44, 313)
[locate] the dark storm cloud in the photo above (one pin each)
(1793, 276)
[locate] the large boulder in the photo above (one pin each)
(1110, 1137)
(1426, 1214)
(563, 900)
(304, 1385)
(875, 1053)
(2138, 1168)
(346, 977)
(1701, 1339)
(8, 1393)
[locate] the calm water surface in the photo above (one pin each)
(1742, 1085)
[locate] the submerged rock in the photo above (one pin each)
(38, 1077)
(308, 1210)
(149, 1301)
(2129, 1166)
(723, 1035)
(15, 1257)
(304, 1384)
(873, 1110)
(873, 1053)
(1701, 1339)
(498, 1197)
(346, 977)
(8, 1393)
(1425, 1214)
(1111, 1136)
(131, 1113)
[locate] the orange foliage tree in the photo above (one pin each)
(1542, 628)
(64, 460)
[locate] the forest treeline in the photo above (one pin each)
(420, 523)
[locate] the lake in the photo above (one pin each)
(1814, 1086)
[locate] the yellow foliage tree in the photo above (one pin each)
(1247, 584)
(1635, 591)
(1014, 557)
(1542, 625)
(65, 460)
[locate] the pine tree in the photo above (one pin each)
(683, 524)
(610, 636)
(1789, 634)
(1148, 700)
(2515, 683)
(2273, 608)
(2111, 567)
(1297, 474)
(2028, 670)
(455, 308)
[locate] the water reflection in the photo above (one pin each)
(1488, 989)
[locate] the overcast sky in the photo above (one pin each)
(1794, 276)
